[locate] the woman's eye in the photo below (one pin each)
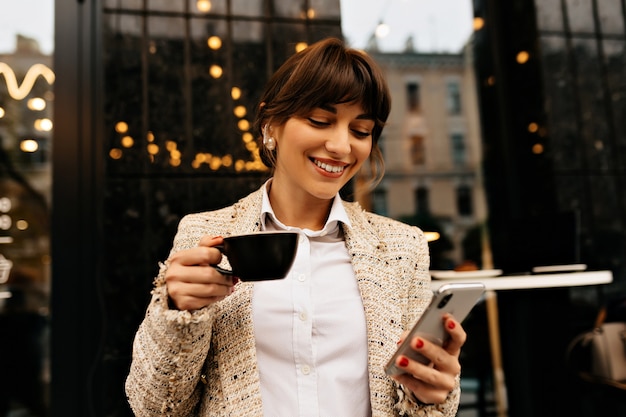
(361, 134)
(317, 122)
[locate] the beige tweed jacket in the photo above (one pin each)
(203, 363)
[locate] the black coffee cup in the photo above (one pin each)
(259, 256)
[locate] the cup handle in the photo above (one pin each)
(219, 269)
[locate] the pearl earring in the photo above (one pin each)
(268, 141)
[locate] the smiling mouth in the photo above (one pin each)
(335, 169)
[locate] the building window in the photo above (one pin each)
(379, 201)
(421, 200)
(418, 156)
(413, 96)
(459, 152)
(464, 200)
(454, 98)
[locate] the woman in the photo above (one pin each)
(316, 342)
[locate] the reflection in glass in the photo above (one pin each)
(26, 107)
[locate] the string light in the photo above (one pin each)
(522, 57)
(203, 6)
(19, 92)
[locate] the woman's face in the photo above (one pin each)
(318, 153)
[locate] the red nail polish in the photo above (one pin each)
(419, 344)
(403, 362)
(451, 324)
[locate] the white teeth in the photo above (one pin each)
(329, 168)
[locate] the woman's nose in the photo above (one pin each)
(338, 142)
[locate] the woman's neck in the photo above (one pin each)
(297, 211)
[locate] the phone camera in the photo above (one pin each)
(444, 301)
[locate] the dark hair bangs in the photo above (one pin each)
(342, 80)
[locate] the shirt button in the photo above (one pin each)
(302, 316)
(302, 277)
(306, 369)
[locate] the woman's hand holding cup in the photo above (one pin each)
(192, 283)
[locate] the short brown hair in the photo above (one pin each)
(326, 72)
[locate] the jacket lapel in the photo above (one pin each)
(370, 263)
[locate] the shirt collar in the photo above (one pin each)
(337, 215)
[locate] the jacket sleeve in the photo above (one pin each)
(418, 297)
(170, 346)
(169, 351)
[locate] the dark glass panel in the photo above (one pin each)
(561, 107)
(324, 9)
(123, 104)
(124, 4)
(611, 17)
(549, 15)
(208, 7)
(294, 9)
(166, 93)
(594, 133)
(615, 61)
(247, 7)
(166, 5)
(578, 13)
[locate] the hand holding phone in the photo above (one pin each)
(456, 299)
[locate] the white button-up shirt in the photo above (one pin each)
(310, 329)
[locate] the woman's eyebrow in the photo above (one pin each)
(329, 108)
(333, 110)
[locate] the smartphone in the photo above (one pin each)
(457, 299)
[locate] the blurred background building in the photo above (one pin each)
(512, 148)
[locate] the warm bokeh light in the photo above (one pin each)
(478, 23)
(301, 46)
(203, 6)
(121, 127)
(21, 224)
(533, 127)
(215, 163)
(431, 236)
(153, 148)
(227, 160)
(235, 93)
(537, 148)
(491, 80)
(128, 141)
(115, 153)
(522, 57)
(170, 145)
(202, 158)
(243, 125)
(216, 71)
(247, 137)
(240, 111)
(36, 104)
(43, 125)
(214, 42)
(2, 112)
(310, 13)
(5, 204)
(150, 137)
(29, 145)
